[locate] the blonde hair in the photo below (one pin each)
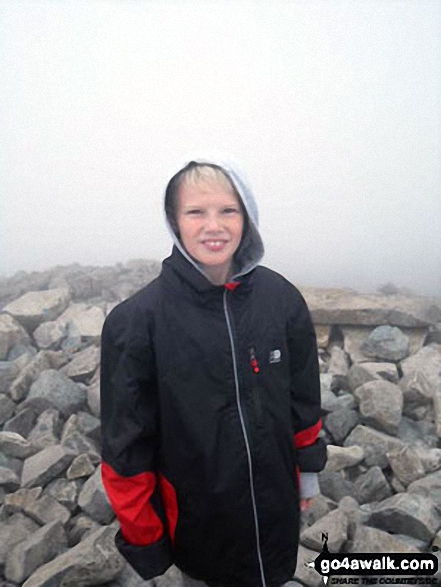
(195, 174)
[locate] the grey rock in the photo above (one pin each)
(85, 424)
(46, 431)
(412, 432)
(83, 364)
(368, 540)
(7, 408)
(306, 574)
(437, 405)
(45, 466)
(35, 307)
(416, 387)
(338, 367)
(406, 464)
(20, 351)
(429, 487)
(36, 550)
(372, 486)
(407, 513)
(328, 397)
(15, 465)
(11, 333)
(94, 501)
(334, 485)
(428, 360)
(386, 343)
(14, 445)
(22, 423)
(78, 444)
(361, 373)
(430, 457)
(321, 505)
(8, 372)
(335, 524)
(65, 492)
(340, 422)
(342, 457)
(9, 480)
(81, 467)
(41, 508)
(81, 526)
(13, 530)
(381, 405)
(354, 337)
(89, 324)
(59, 390)
(50, 334)
(93, 398)
(93, 561)
(130, 578)
(434, 334)
(376, 444)
(344, 306)
(20, 386)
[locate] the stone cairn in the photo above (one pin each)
(380, 363)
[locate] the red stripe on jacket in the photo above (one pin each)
(130, 500)
(307, 436)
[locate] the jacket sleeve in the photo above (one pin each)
(130, 437)
(305, 389)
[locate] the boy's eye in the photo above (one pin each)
(230, 210)
(194, 212)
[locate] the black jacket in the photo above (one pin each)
(190, 419)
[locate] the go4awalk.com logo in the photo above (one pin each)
(413, 569)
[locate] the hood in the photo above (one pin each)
(251, 249)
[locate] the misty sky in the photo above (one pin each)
(333, 109)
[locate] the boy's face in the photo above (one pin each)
(210, 222)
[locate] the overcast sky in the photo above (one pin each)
(333, 109)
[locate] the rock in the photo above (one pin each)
(343, 306)
(334, 485)
(386, 343)
(45, 466)
(428, 360)
(406, 513)
(338, 367)
(322, 333)
(376, 444)
(329, 399)
(429, 487)
(304, 572)
(85, 424)
(22, 422)
(9, 480)
(77, 443)
(437, 406)
(412, 432)
(8, 372)
(381, 405)
(371, 486)
(35, 307)
(58, 390)
(93, 399)
(46, 432)
(81, 526)
(81, 467)
(89, 324)
(434, 334)
(94, 501)
(36, 550)
(342, 457)
(430, 457)
(93, 561)
(11, 333)
(14, 530)
(14, 445)
(21, 352)
(7, 408)
(20, 386)
(335, 524)
(320, 506)
(340, 423)
(65, 492)
(406, 464)
(416, 387)
(83, 364)
(41, 508)
(50, 334)
(368, 540)
(361, 373)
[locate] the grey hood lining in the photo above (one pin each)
(251, 249)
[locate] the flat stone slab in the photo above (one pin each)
(40, 508)
(35, 307)
(44, 466)
(343, 306)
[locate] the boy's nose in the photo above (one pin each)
(213, 222)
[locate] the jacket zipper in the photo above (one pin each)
(247, 444)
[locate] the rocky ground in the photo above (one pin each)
(380, 361)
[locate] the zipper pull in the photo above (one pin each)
(253, 360)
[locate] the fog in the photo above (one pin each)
(332, 108)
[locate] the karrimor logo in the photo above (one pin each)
(275, 356)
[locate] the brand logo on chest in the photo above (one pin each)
(275, 356)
